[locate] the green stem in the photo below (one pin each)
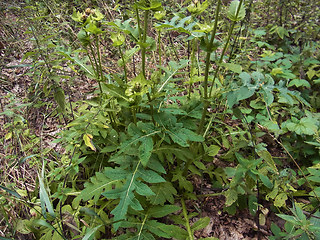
(95, 61)
(142, 225)
(143, 57)
(192, 65)
(99, 58)
(159, 52)
(99, 65)
(124, 65)
(225, 48)
(138, 21)
(185, 214)
(206, 74)
(96, 67)
(143, 48)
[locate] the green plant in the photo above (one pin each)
(299, 225)
(235, 117)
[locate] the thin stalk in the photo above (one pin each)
(211, 194)
(124, 65)
(206, 74)
(225, 48)
(95, 61)
(173, 48)
(142, 225)
(192, 67)
(134, 115)
(159, 52)
(143, 48)
(138, 21)
(143, 56)
(96, 66)
(185, 214)
(99, 58)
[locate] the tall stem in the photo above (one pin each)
(96, 66)
(159, 52)
(99, 58)
(225, 48)
(124, 65)
(144, 39)
(206, 73)
(185, 214)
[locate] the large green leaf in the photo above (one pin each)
(175, 231)
(178, 24)
(163, 192)
(44, 199)
(200, 224)
(127, 198)
(142, 136)
(181, 136)
(95, 187)
(236, 12)
(132, 184)
(304, 126)
(161, 211)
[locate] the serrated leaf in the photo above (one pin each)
(143, 189)
(155, 227)
(236, 12)
(127, 198)
(231, 196)
(175, 231)
(128, 55)
(163, 192)
(200, 224)
(76, 16)
(161, 211)
(156, 165)
(181, 136)
(97, 185)
(145, 150)
(117, 38)
(150, 176)
(141, 134)
(132, 185)
(92, 28)
(178, 24)
(182, 180)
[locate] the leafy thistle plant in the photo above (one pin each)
(134, 147)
